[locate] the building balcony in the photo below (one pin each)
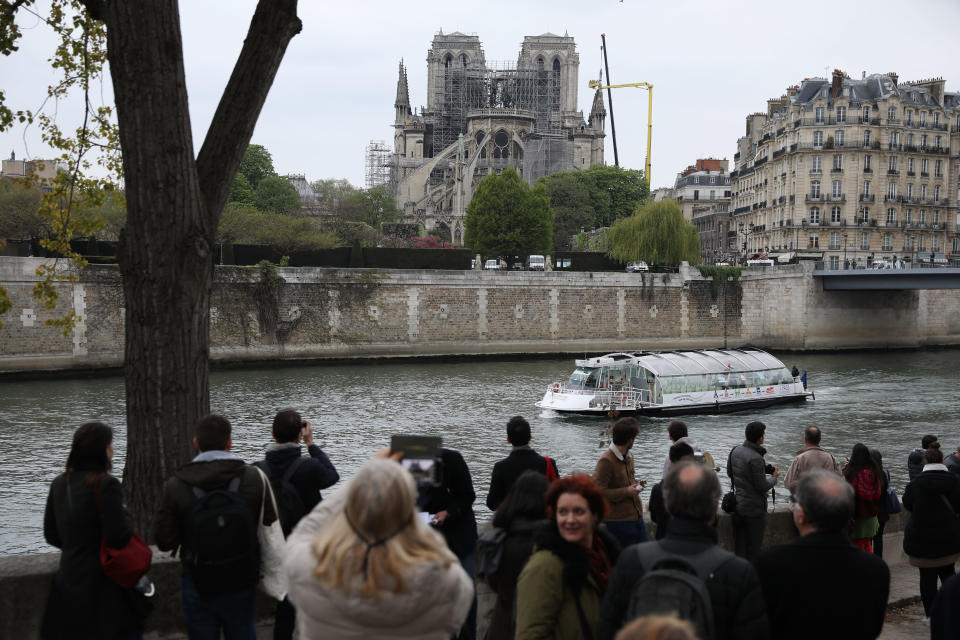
(893, 172)
(837, 198)
(889, 198)
(867, 197)
(867, 170)
(810, 197)
(911, 173)
(816, 172)
(924, 174)
(837, 170)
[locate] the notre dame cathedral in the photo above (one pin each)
(484, 116)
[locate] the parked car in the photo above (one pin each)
(491, 265)
(536, 263)
(636, 267)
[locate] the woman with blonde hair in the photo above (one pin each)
(363, 565)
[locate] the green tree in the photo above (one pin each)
(242, 192)
(615, 192)
(19, 217)
(277, 195)
(656, 233)
(506, 216)
(373, 207)
(572, 208)
(333, 193)
(256, 165)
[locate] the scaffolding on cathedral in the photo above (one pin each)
(378, 166)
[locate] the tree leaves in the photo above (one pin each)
(657, 233)
(507, 217)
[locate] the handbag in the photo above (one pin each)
(126, 565)
(729, 502)
(890, 500)
(272, 580)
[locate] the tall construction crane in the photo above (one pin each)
(595, 84)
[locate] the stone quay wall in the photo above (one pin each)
(317, 313)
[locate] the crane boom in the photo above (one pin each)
(595, 84)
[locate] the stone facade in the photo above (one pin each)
(485, 116)
(346, 313)
(850, 171)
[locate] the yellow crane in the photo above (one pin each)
(595, 84)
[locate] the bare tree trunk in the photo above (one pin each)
(173, 208)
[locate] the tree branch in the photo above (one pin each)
(273, 25)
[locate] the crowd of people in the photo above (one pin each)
(386, 555)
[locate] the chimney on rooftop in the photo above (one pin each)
(893, 76)
(837, 83)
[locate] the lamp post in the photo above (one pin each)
(844, 250)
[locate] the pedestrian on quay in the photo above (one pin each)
(520, 513)
(221, 564)
(658, 509)
(84, 507)
(296, 481)
(915, 460)
(450, 504)
(692, 493)
(855, 604)
(931, 538)
(362, 565)
(678, 432)
(882, 515)
(522, 458)
(562, 585)
(812, 456)
(752, 479)
(864, 474)
(615, 474)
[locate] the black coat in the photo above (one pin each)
(84, 602)
(506, 472)
(915, 462)
(517, 547)
(455, 495)
(933, 530)
(945, 613)
(850, 588)
(313, 475)
(738, 611)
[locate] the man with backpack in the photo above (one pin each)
(522, 458)
(686, 572)
(854, 601)
(297, 482)
(209, 511)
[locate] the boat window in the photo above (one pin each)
(584, 378)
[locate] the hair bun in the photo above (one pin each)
(934, 445)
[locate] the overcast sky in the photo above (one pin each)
(711, 63)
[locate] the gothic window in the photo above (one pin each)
(447, 60)
(555, 87)
(501, 145)
(483, 150)
(463, 60)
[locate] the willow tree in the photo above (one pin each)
(174, 201)
(657, 233)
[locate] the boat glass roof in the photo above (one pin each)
(678, 363)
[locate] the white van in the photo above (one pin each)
(760, 263)
(536, 263)
(491, 265)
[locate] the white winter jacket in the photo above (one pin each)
(433, 606)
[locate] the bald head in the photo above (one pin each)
(811, 436)
(827, 500)
(691, 491)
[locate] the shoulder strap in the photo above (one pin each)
(947, 502)
(584, 624)
(705, 562)
(292, 469)
(733, 483)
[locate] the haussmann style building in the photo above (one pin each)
(485, 116)
(703, 192)
(850, 171)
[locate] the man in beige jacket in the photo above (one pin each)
(615, 476)
(810, 457)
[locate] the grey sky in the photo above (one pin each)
(711, 64)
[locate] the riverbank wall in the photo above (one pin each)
(25, 582)
(318, 313)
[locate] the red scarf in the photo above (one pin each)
(598, 562)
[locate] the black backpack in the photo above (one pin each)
(289, 503)
(220, 546)
(676, 584)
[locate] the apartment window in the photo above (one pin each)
(814, 241)
(920, 243)
(866, 114)
(864, 214)
(909, 139)
(835, 260)
(841, 114)
(936, 118)
(818, 138)
(936, 192)
(908, 243)
(910, 166)
(866, 187)
(895, 138)
(923, 142)
(713, 194)
(891, 113)
(887, 242)
(864, 241)
(838, 137)
(956, 245)
(909, 116)
(935, 244)
(866, 162)
(892, 165)
(908, 216)
(923, 191)
(891, 216)
(937, 142)
(922, 219)
(938, 168)
(696, 194)
(816, 164)
(838, 162)
(891, 189)
(814, 188)
(936, 217)
(866, 138)
(924, 166)
(910, 190)
(834, 239)
(923, 118)
(713, 179)
(818, 115)
(814, 215)
(835, 214)
(837, 188)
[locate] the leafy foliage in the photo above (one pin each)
(718, 274)
(276, 195)
(657, 234)
(256, 165)
(373, 207)
(244, 224)
(430, 242)
(506, 216)
(242, 192)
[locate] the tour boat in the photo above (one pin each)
(674, 383)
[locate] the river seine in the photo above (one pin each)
(886, 400)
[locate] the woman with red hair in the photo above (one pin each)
(560, 590)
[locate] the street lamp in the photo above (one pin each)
(844, 250)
